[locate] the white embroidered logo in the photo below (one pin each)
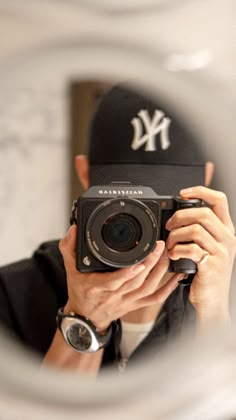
(158, 124)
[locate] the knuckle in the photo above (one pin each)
(189, 251)
(205, 218)
(196, 231)
(192, 250)
(221, 197)
(113, 285)
(61, 245)
(178, 215)
(138, 282)
(207, 211)
(206, 214)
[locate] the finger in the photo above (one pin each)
(160, 295)
(216, 199)
(135, 288)
(154, 258)
(191, 251)
(67, 247)
(193, 233)
(116, 279)
(157, 273)
(204, 217)
(153, 279)
(131, 285)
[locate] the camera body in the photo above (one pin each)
(119, 224)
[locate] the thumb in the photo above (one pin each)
(67, 247)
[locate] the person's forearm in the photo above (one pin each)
(61, 356)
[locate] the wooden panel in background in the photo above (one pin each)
(83, 99)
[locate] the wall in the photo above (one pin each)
(33, 168)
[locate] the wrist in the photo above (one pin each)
(60, 355)
(101, 327)
(217, 317)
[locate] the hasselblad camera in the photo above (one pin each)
(119, 224)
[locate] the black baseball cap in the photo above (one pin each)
(135, 139)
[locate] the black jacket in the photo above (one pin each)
(32, 290)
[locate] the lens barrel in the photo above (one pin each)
(121, 232)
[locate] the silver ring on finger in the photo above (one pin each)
(204, 258)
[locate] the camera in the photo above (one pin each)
(119, 224)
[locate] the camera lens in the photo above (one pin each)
(121, 232)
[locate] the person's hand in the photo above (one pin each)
(213, 248)
(104, 297)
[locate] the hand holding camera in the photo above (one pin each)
(104, 297)
(210, 230)
(119, 225)
(188, 233)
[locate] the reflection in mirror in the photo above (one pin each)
(139, 291)
(129, 277)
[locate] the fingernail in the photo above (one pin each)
(186, 191)
(159, 248)
(181, 277)
(136, 269)
(165, 254)
(168, 224)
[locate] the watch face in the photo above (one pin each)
(79, 337)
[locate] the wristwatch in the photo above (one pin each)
(80, 333)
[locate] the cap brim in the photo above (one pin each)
(164, 179)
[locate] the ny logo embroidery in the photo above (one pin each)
(158, 124)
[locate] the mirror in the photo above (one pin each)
(39, 81)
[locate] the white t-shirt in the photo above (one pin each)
(132, 335)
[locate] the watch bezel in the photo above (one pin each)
(68, 322)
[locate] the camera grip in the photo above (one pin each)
(184, 265)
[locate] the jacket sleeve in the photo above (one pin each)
(31, 291)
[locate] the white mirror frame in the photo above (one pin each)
(120, 57)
